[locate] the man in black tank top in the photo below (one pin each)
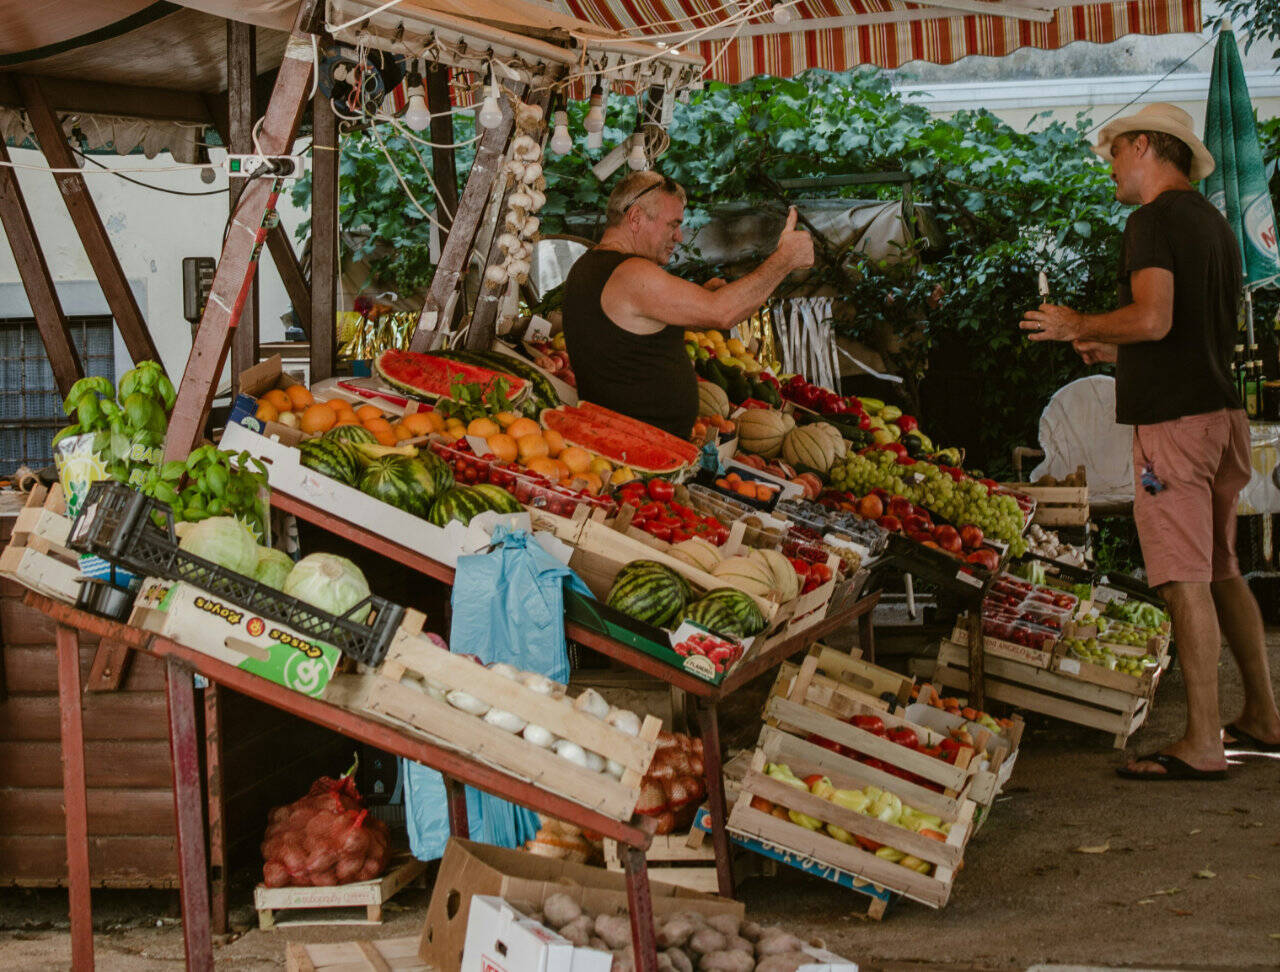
(624, 314)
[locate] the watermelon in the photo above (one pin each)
(543, 392)
(648, 591)
(460, 503)
(332, 458)
(351, 433)
(433, 474)
(499, 499)
(716, 616)
(750, 619)
(617, 443)
(431, 376)
(681, 447)
(391, 479)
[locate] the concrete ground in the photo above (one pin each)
(1076, 867)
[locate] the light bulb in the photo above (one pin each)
(561, 140)
(595, 140)
(490, 112)
(594, 122)
(637, 159)
(781, 13)
(416, 115)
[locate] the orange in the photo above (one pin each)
(530, 446)
(266, 411)
(317, 418)
(384, 436)
(578, 460)
(483, 427)
(278, 399)
(555, 442)
(376, 425)
(503, 446)
(299, 396)
(345, 421)
(592, 483)
(401, 432)
(419, 423)
(506, 418)
(522, 427)
(544, 466)
(366, 412)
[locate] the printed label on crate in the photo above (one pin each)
(1069, 665)
(705, 653)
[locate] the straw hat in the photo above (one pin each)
(1160, 117)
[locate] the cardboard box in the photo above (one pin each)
(501, 939)
(254, 383)
(230, 633)
(526, 880)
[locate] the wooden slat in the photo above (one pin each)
(295, 284)
(141, 763)
(33, 669)
(324, 238)
(113, 861)
(444, 166)
(107, 715)
(111, 663)
(36, 279)
(23, 625)
(116, 812)
(102, 98)
(84, 215)
(242, 56)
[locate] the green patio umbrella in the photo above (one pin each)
(1238, 185)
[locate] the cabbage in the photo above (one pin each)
(329, 582)
(273, 567)
(224, 541)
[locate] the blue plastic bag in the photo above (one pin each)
(508, 605)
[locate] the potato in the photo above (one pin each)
(726, 925)
(777, 942)
(707, 940)
(614, 929)
(751, 931)
(696, 918)
(783, 962)
(727, 961)
(680, 962)
(560, 909)
(598, 944)
(676, 932)
(578, 931)
(740, 944)
(624, 960)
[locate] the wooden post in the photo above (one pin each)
(240, 252)
(188, 805)
(74, 797)
(324, 237)
(444, 167)
(977, 660)
(84, 215)
(295, 284)
(36, 279)
(217, 808)
(242, 64)
(485, 171)
(484, 318)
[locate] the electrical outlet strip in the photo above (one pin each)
(279, 166)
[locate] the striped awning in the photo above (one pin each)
(841, 34)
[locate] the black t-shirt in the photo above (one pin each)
(1188, 371)
(646, 376)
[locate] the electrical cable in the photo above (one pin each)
(1161, 80)
(365, 16)
(144, 185)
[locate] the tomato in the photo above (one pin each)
(652, 511)
(870, 723)
(904, 737)
(679, 536)
(632, 493)
(661, 490)
(821, 571)
(659, 530)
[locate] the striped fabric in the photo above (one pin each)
(936, 38)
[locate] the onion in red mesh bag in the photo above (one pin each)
(679, 793)
(652, 798)
(275, 874)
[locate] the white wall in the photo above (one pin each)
(152, 232)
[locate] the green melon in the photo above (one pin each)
(649, 592)
(351, 433)
(391, 480)
(716, 616)
(499, 499)
(743, 606)
(332, 458)
(433, 474)
(460, 503)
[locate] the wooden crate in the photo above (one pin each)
(804, 759)
(1057, 505)
(1056, 694)
(396, 954)
(412, 658)
(999, 648)
(677, 859)
(37, 556)
(361, 896)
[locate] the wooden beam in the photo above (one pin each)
(98, 98)
(242, 57)
(324, 237)
(481, 332)
(444, 168)
(240, 252)
(36, 279)
(88, 224)
(437, 312)
(75, 796)
(295, 284)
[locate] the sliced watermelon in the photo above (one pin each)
(616, 443)
(428, 376)
(649, 433)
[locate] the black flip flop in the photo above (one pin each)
(1174, 769)
(1248, 742)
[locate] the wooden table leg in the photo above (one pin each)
(713, 768)
(216, 808)
(456, 795)
(74, 797)
(977, 660)
(188, 802)
(867, 637)
(640, 905)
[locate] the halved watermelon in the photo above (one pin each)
(428, 376)
(651, 434)
(616, 442)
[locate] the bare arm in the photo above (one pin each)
(1148, 318)
(639, 289)
(1096, 352)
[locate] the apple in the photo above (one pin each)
(890, 523)
(882, 493)
(919, 536)
(984, 557)
(948, 539)
(915, 523)
(870, 507)
(901, 507)
(971, 536)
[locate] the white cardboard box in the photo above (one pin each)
(500, 939)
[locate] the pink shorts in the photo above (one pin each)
(1188, 529)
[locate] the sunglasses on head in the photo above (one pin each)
(667, 183)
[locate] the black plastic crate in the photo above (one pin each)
(121, 526)
(909, 557)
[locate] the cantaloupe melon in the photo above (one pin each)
(749, 574)
(712, 400)
(697, 552)
(761, 431)
(809, 448)
(785, 580)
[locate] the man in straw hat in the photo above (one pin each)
(1171, 339)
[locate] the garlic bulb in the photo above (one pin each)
(509, 242)
(516, 168)
(532, 172)
(592, 703)
(539, 736)
(624, 720)
(467, 703)
(537, 199)
(525, 148)
(567, 749)
(520, 200)
(504, 720)
(516, 221)
(518, 269)
(496, 275)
